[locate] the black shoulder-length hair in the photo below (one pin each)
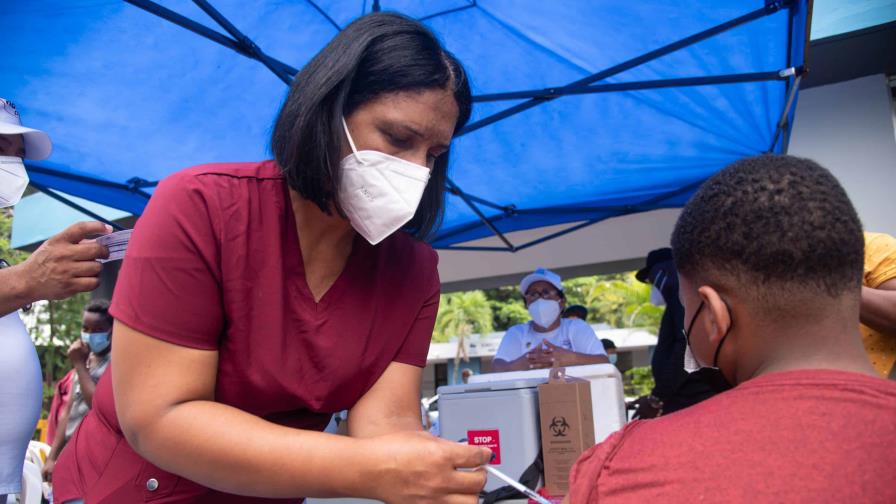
(377, 54)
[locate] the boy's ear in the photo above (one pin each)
(718, 318)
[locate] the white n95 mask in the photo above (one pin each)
(690, 362)
(379, 193)
(13, 180)
(544, 312)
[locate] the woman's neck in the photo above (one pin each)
(319, 230)
(325, 241)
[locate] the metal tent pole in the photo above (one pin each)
(770, 8)
(245, 42)
(204, 31)
(550, 93)
(485, 220)
(62, 199)
(782, 124)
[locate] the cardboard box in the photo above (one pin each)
(567, 426)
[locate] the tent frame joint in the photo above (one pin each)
(137, 183)
(772, 6)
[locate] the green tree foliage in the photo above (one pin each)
(11, 256)
(638, 381)
(507, 307)
(509, 315)
(462, 314)
(620, 300)
(54, 325)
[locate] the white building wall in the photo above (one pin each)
(848, 128)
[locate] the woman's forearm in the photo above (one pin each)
(85, 381)
(878, 309)
(374, 427)
(519, 364)
(235, 452)
(581, 359)
(14, 291)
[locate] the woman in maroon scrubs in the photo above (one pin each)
(257, 299)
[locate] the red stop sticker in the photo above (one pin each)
(487, 438)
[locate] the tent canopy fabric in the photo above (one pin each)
(584, 110)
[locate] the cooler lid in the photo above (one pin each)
(494, 386)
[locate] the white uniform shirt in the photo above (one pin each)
(573, 334)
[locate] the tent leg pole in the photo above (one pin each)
(782, 122)
(481, 215)
(62, 199)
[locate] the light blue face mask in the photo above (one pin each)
(613, 358)
(98, 341)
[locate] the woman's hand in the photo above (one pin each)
(78, 353)
(65, 264)
(47, 471)
(410, 467)
(540, 357)
(565, 357)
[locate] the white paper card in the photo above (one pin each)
(116, 242)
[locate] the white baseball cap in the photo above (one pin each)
(37, 143)
(541, 275)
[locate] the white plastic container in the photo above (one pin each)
(505, 412)
(606, 392)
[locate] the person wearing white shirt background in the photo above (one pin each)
(547, 338)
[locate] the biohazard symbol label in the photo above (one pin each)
(559, 426)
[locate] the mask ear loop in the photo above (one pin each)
(351, 142)
(690, 362)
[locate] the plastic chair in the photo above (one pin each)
(31, 485)
(33, 455)
(38, 453)
(42, 448)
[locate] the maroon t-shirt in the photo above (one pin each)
(214, 263)
(799, 436)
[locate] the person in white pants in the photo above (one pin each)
(59, 268)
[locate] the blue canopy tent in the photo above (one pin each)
(584, 110)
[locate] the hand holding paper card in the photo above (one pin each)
(117, 243)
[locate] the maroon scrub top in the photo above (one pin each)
(214, 263)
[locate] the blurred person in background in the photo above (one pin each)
(610, 347)
(878, 314)
(576, 311)
(90, 358)
(674, 388)
(547, 338)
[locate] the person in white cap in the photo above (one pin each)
(59, 268)
(65, 264)
(547, 338)
(17, 143)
